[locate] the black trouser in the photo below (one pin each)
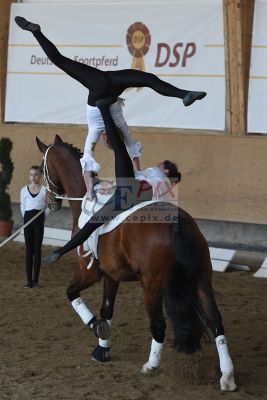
(33, 234)
(136, 191)
(106, 83)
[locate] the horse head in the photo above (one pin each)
(54, 189)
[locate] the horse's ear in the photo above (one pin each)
(57, 140)
(42, 147)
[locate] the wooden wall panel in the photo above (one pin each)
(223, 176)
(238, 23)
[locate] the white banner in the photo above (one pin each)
(257, 116)
(185, 49)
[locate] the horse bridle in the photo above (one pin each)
(52, 195)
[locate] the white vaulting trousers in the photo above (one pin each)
(96, 127)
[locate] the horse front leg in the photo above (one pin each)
(214, 321)
(153, 304)
(102, 351)
(84, 279)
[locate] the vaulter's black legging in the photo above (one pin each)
(33, 235)
(106, 83)
(134, 191)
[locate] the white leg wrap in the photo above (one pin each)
(81, 308)
(105, 343)
(155, 353)
(226, 364)
(154, 357)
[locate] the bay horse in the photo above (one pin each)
(170, 260)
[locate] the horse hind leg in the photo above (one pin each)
(153, 304)
(214, 321)
(102, 351)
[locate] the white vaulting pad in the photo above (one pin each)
(87, 213)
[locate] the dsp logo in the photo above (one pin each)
(138, 39)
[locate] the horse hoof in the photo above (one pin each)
(101, 354)
(101, 328)
(148, 369)
(227, 382)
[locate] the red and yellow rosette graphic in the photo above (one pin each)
(138, 41)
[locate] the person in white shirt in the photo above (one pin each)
(103, 84)
(162, 178)
(132, 187)
(32, 201)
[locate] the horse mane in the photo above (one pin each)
(74, 151)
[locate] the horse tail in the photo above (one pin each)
(181, 299)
